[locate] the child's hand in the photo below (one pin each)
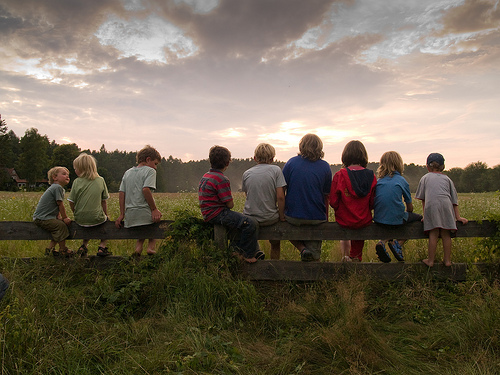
(119, 221)
(463, 220)
(156, 215)
(67, 221)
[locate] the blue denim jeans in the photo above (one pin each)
(247, 243)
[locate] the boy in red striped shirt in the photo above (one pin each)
(216, 202)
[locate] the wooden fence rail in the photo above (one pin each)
(282, 270)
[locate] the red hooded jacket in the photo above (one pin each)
(352, 195)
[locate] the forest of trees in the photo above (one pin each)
(34, 154)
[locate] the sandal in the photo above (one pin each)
(55, 252)
(103, 251)
(82, 251)
(66, 252)
(49, 251)
(259, 255)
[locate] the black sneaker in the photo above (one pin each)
(396, 250)
(306, 255)
(382, 254)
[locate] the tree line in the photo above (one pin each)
(34, 154)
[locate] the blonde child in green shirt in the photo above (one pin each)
(88, 200)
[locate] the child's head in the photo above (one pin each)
(219, 157)
(264, 153)
(53, 172)
(435, 162)
(85, 166)
(390, 162)
(148, 152)
(354, 153)
(311, 147)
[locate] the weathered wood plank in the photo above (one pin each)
(283, 270)
(333, 231)
(27, 230)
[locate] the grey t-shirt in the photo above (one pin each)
(47, 207)
(440, 195)
(260, 183)
(137, 211)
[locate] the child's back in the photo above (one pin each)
(87, 196)
(439, 194)
(137, 209)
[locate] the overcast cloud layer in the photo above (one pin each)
(414, 76)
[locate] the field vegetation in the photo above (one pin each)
(186, 311)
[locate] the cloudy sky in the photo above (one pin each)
(414, 76)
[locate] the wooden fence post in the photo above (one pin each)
(220, 236)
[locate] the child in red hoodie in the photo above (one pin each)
(352, 195)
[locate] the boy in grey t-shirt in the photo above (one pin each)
(137, 205)
(264, 186)
(50, 213)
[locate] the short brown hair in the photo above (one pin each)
(390, 162)
(147, 152)
(54, 171)
(311, 147)
(219, 157)
(435, 166)
(354, 153)
(264, 153)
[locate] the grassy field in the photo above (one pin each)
(186, 311)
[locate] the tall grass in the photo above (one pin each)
(186, 311)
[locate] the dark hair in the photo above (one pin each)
(147, 152)
(354, 153)
(219, 157)
(311, 147)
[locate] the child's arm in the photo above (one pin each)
(121, 200)
(62, 213)
(463, 220)
(148, 195)
(280, 198)
(423, 209)
(409, 207)
(72, 206)
(230, 204)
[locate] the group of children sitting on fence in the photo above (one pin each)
(300, 194)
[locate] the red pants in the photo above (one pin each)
(357, 249)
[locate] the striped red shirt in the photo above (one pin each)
(214, 192)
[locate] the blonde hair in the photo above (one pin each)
(311, 147)
(53, 172)
(390, 162)
(264, 153)
(354, 153)
(86, 165)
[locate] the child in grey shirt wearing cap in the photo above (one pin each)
(440, 208)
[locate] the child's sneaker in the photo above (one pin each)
(396, 250)
(382, 254)
(306, 255)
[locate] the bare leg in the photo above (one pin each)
(275, 249)
(433, 239)
(103, 243)
(345, 249)
(138, 246)
(151, 246)
(446, 238)
(52, 244)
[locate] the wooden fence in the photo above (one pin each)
(280, 269)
